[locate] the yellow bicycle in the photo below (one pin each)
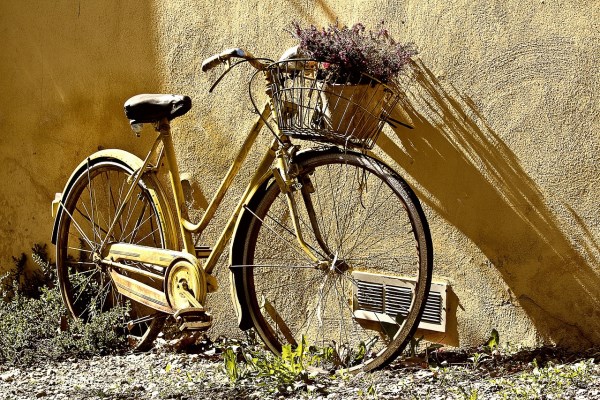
(328, 245)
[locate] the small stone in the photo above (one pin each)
(41, 393)
(9, 376)
(421, 374)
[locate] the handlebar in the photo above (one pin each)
(261, 64)
(226, 55)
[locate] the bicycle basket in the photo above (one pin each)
(311, 103)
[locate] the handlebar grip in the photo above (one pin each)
(225, 55)
(217, 59)
(211, 62)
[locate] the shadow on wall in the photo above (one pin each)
(301, 8)
(473, 180)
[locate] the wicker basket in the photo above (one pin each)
(310, 103)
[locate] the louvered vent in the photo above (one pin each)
(382, 297)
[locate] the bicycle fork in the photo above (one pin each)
(286, 177)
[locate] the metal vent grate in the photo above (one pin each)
(370, 297)
(381, 296)
(433, 309)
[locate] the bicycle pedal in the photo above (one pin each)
(193, 319)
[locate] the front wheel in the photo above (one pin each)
(359, 304)
(97, 192)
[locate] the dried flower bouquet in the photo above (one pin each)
(350, 52)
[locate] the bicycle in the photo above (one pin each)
(323, 239)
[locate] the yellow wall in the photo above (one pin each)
(504, 154)
(66, 69)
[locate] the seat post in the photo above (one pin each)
(164, 128)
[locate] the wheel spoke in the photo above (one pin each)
(287, 240)
(95, 197)
(361, 215)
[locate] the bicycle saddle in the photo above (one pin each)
(145, 108)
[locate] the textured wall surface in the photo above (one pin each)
(67, 68)
(505, 150)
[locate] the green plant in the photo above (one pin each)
(39, 255)
(493, 342)
(352, 51)
(341, 355)
(467, 393)
(413, 347)
(31, 311)
(232, 368)
(28, 281)
(551, 381)
(293, 371)
(368, 393)
(288, 368)
(477, 359)
(29, 330)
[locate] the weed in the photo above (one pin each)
(469, 394)
(31, 309)
(550, 381)
(232, 368)
(477, 359)
(368, 393)
(493, 342)
(25, 281)
(293, 372)
(413, 347)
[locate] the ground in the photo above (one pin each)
(199, 373)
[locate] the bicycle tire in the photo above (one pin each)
(360, 204)
(97, 191)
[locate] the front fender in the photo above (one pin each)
(122, 156)
(236, 255)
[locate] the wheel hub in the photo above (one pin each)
(335, 266)
(341, 266)
(96, 258)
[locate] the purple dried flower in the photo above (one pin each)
(352, 51)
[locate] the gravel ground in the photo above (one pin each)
(168, 375)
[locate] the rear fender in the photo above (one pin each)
(121, 156)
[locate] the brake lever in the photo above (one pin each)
(230, 67)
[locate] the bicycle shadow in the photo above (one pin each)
(474, 181)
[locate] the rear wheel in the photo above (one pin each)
(360, 303)
(89, 209)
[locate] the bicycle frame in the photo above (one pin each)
(275, 155)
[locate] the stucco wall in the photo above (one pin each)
(504, 152)
(66, 69)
